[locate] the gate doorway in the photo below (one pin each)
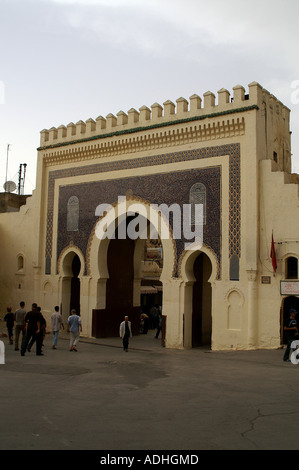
(119, 288)
(75, 285)
(288, 303)
(118, 262)
(202, 302)
(70, 287)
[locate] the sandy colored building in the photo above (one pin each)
(231, 154)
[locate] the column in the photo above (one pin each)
(252, 309)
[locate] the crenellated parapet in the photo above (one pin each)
(196, 108)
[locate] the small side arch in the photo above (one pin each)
(186, 262)
(71, 268)
(66, 258)
(198, 269)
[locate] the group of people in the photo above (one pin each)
(151, 321)
(32, 326)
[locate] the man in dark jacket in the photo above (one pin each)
(33, 321)
(9, 318)
(291, 329)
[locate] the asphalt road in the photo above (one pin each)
(149, 398)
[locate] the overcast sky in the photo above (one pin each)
(68, 60)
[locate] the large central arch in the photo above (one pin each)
(117, 289)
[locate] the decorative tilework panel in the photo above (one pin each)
(232, 150)
(170, 188)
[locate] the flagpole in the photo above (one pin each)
(273, 255)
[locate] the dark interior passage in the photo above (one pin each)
(201, 302)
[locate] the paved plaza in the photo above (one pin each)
(149, 398)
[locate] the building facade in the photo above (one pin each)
(138, 171)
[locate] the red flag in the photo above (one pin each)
(273, 255)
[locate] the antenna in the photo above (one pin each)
(22, 172)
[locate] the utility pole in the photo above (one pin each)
(6, 166)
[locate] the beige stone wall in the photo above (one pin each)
(19, 256)
(279, 212)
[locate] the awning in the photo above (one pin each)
(148, 290)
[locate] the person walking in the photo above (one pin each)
(56, 323)
(291, 329)
(39, 337)
(159, 327)
(9, 318)
(20, 324)
(75, 326)
(125, 332)
(33, 320)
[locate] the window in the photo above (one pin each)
(292, 268)
(20, 263)
(198, 195)
(73, 214)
